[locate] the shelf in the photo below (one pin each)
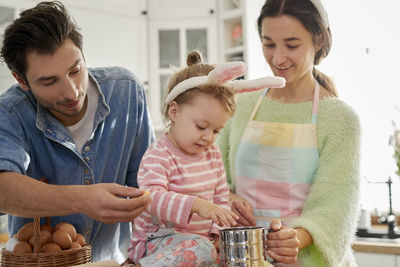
(230, 28)
(226, 5)
(233, 50)
(238, 36)
(233, 14)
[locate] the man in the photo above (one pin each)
(84, 130)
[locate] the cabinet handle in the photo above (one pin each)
(211, 11)
(144, 12)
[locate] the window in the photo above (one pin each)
(364, 65)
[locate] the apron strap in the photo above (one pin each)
(315, 103)
(253, 113)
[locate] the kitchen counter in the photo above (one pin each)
(3, 240)
(377, 245)
(374, 245)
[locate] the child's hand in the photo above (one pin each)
(216, 241)
(220, 215)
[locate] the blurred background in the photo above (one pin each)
(150, 36)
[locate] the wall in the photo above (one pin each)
(364, 65)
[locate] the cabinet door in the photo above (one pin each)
(113, 36)
(7, 15)
(180, 9)
(374, 259)
(170, 42)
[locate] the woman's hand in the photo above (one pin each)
(282, 243)
(243, 209)
(220, 215)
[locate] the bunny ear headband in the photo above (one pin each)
(224, 74)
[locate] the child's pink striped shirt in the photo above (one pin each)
(175, 179)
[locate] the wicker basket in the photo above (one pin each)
(40, 259)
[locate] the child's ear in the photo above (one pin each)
(21, 81)
(173, 110)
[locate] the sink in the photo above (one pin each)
(377, 235)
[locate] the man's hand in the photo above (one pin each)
(108, 202)
(220, 215)
(243, 209)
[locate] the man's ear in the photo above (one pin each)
(173, 110)
(21, 81)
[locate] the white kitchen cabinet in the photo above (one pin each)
(114, 33)
(180, 9)
(365, 259)
(238, 38)
(173, 33)
(7, 14)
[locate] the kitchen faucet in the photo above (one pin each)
(390, 219)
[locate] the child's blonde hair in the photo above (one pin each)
(195, 68)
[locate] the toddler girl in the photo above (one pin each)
(184, 171)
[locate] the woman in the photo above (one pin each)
(292, 154)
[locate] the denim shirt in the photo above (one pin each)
(36, 144)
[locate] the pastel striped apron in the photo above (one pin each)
(276, 164)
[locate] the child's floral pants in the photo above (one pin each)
(180, 250)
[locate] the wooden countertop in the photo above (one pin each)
(3, 238)
(376, 247)
(358, 246)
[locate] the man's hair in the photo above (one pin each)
(42, 29)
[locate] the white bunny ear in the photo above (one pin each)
(224, 74)
(227, 71)
(245, 86)
(221, 74)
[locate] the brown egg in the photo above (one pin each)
(43, 240)
(58, 225)
(25, 232)
(75, 245)
(46, 227)
(66, 227)
(62, 238)
(51, 247)
(45, 233)
(80, 239)
(22, 247)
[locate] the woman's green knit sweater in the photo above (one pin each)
(331, 209)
